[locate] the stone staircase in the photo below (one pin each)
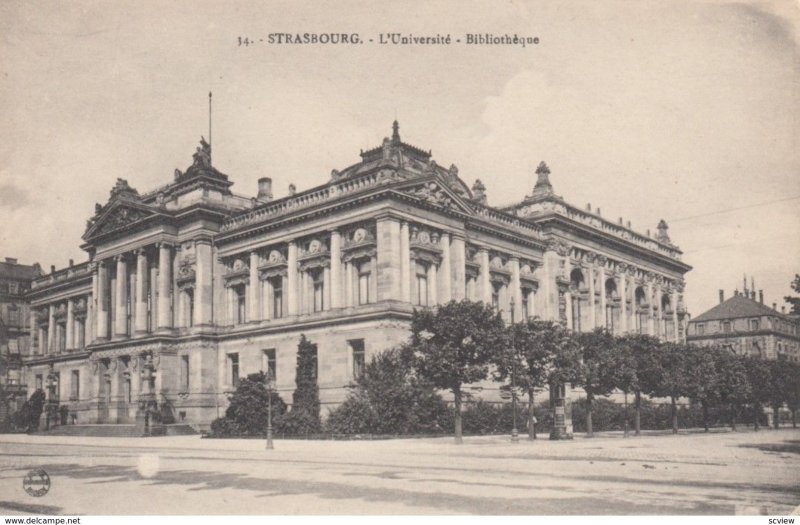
(113, 430)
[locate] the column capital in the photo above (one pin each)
(164, 244)
(203, 239)
(120, 257)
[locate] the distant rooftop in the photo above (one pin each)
(736, 307)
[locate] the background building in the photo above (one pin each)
(746, 326)
(205, 286)
(15, 281)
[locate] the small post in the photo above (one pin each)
(514, 430)
(269, 411)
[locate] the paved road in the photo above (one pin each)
(724, 473)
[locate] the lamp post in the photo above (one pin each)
(52, 402)
(514, 430)
(269, 410)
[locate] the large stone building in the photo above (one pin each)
(746, 326)
(189, 287)
(15, 281)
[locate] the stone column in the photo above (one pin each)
(485, 283)
(458, 275)
(335, 283)
(660, 328)
(651, 308)
(102, 302)
(51, 330)
(164, 286)
(675, 327)
(405, 263)
(35, 341)
(432, 285)
(388, 259)
(601, 281)
(516, 289)
(326, 288)
(592, 310)
(254, 290)
(121, 308)
(291, 278)
(203, 286)
(446, 277)
(348, 283)
(90, 324)
(568, 307)
(623, 292)
(141, 292)
(70, 342)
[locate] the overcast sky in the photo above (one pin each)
(648, 110)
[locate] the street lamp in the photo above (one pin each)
(514, 431)
(269, 410)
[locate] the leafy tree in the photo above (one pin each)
(453, 346)
(537, 344)
(644, 350)
(793, 390)
(626, 377)
(759, 377)
(304, 418)
(780, 384)
(792, 300)
(598, 372)
(672, 382)
(734, 386)
(388, 398)
(701, 375)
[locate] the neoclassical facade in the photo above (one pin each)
(189, 287)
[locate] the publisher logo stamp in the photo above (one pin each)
(36, 483)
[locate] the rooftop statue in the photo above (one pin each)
(202, 157)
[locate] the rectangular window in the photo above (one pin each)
(270, 363)
(525, 296)
(75, 387)
(726, 327)
(701, 329)
(359, 357)
(422, 284)
(13, 315)
(39, 381)
(241, 304)
(277, 298)
(61, 330)
(233, 369)
(363, 283)
(496, 295)
(319, 286)
(754, 324)
(190, 301)
(184, 373)
(81, 335)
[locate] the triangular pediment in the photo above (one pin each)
(437, 192)
(119, 215)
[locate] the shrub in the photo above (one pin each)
(248, 410)
(304, 415)
(390, 399)
(27, 417)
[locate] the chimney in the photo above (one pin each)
(783, 309)
(589, 206)
(11, 260)
(761, 296)
(598, 211)
(71, 263)
(721, 296)
(736, 293)
(775, 306)
(52, 268)
(265, 189)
